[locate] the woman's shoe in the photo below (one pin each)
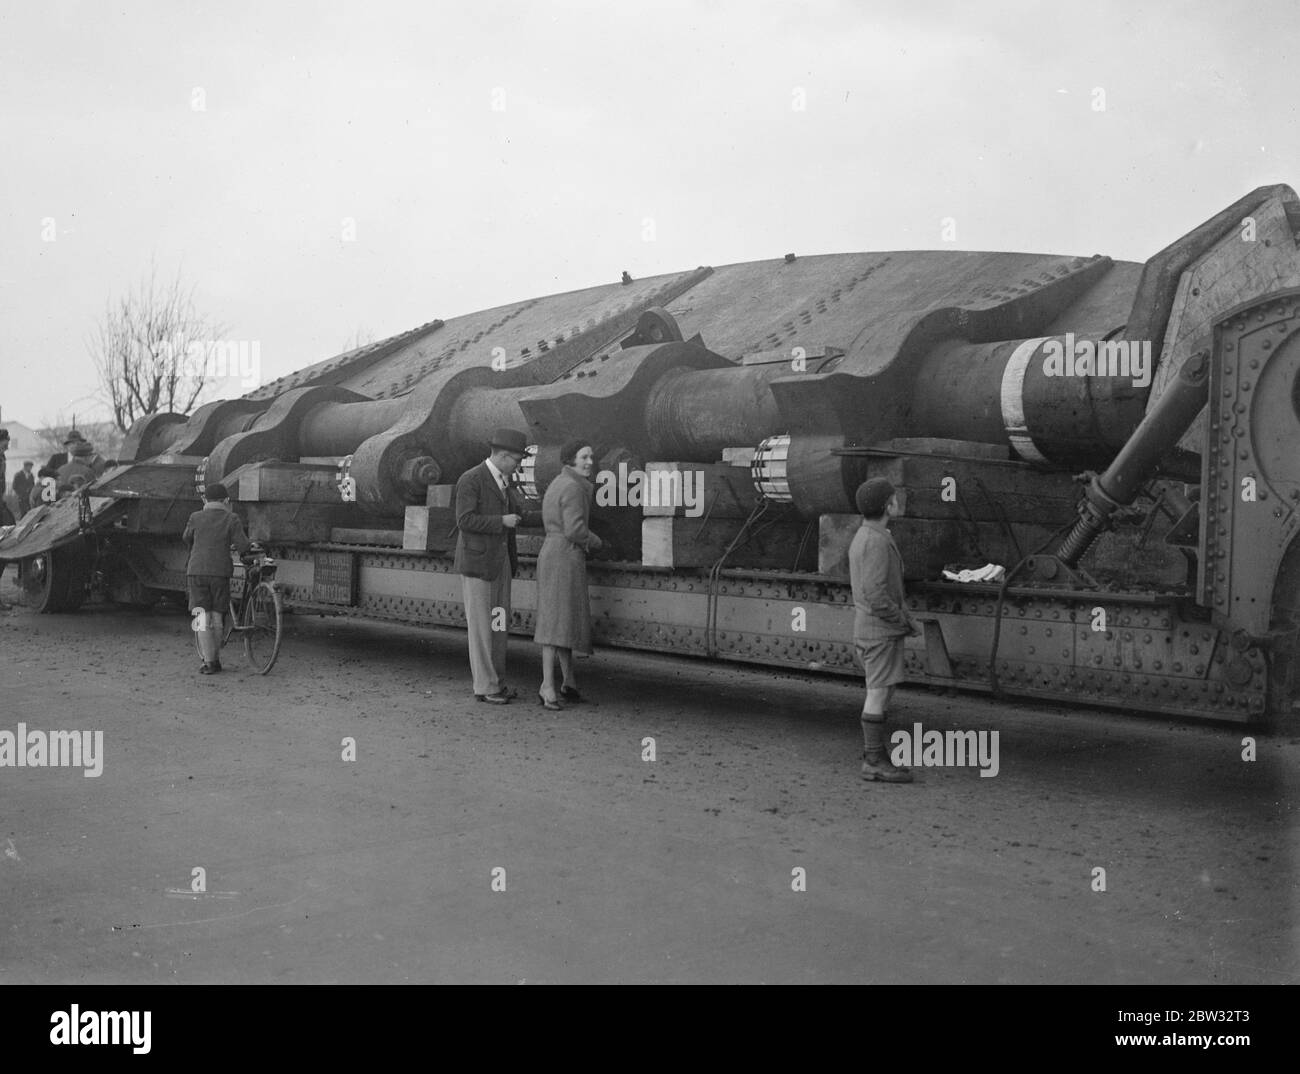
(554, 706)
(569, 693)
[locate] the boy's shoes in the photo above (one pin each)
(210, 669)
(876, 766)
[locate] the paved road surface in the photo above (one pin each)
(616, 869)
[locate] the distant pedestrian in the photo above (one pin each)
(563, 604)
(488, 511)
(24, 486)
(6, 516)
(210, 533)
(880, 621)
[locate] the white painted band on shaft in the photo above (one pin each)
(1013, 400)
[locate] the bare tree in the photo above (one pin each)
(153, 351)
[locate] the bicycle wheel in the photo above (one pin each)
(261, 627)
(227, 628)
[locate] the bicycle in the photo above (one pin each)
(257, 615)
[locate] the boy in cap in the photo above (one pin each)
(487, 512)
(880, 621)
(210, 532)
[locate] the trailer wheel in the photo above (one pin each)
(55, 581)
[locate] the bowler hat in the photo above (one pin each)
(873, 497)
(74, 437)
(511, 440)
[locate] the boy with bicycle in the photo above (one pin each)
(210, 532)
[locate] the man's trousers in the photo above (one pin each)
(486, 601)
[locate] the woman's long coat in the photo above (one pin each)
(563, 606)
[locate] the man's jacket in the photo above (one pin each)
(483, 541)
(876, 575)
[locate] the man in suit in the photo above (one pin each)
(24, 483)
(6, 517)
(487, 512)
(61, 458)
(881, 621)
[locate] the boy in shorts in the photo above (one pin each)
(880, 621)
(210, 533)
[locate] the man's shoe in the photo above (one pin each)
(508, 692)
(205, 669)
(569, 693)
(877, 767)
(495, 699)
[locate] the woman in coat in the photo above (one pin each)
(563, 607)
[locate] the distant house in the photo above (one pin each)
(25, 443)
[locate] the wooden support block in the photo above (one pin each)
(684, 542)
(440, 496)
(284, 482)
(429, 529)
(357, 535)
(712, 490)
(292, 523)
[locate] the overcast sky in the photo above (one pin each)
(490, 152)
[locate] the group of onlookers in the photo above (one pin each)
(76, 465)
(488, 511)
